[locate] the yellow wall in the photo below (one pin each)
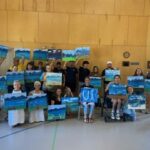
(110, 27)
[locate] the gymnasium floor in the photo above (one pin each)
(75, 135)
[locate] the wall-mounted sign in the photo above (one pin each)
(134, 63)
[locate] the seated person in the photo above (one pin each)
(38, 114)
(88, 116)
(56, 99)
(129, 112)
(116, 103)
(68, 92)
(16, 117)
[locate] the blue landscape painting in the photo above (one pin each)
(96, 82)
(89, 95)
(147, 86)
(56, 112)
(117, 89)
(32, 76)
(37, 102)
(110, 74)
(15, 101)
(13, 76)
(55, 54)
(136, 81)
(54, 79)
(22, 53)
(136, 102)
(3, 51)
(39, 54)
(3, 85)
(82, 52)
(72, 103)
(69, 55)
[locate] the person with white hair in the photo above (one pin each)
(109, 67)
(36, 115)
(16, 117)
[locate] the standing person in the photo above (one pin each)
(40, 66)
(48, 89)
(83, 72)
(29, 86)
(16, 117)
(38, 114)
(115, 102)
(71, 76)
(88, 116)
(109, 67)
(21, 64)
(148, 75)
(59, 69)
(138, 72)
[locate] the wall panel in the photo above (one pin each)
(113, 30)
(3, 25)
(2, 4)
(137, 34)
(53, 28)
(14, 5)
(99, 6)
(129, 7)
(83, 29)
(74, 6)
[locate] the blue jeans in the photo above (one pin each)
(85, 107)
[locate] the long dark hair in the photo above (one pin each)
(135, 73)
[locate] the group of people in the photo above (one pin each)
(73, 80)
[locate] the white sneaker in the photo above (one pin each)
(118, 116)
(112, 116)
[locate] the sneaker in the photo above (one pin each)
(118, 116)
(112, 116)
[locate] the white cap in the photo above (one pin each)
(109, 62)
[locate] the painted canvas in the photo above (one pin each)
(37, 102)
(89, 95)
(136, 81)
(110, 74)
(3, 51)
(54, 54)
(69, 55)
(3, 85)
(136, 102)
(13, 76)
(96, 82)
(82, 52)
(32, 76)
(56, 112)
(54, 79)
(117, 89)
(15, 101)
(39, 54)
(72, 103)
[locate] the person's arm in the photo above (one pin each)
(65, 65)
(77, 61)
(107, 87)
(1, 60)
(51, 63)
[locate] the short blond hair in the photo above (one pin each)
(37, 83)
